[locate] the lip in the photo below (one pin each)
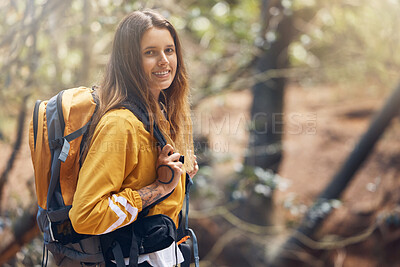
(161, 73)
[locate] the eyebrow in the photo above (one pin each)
(152, 47)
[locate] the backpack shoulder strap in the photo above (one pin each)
(140, 112)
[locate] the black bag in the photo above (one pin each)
(154, 233)
(145, 235)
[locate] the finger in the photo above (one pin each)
(179, 164)
(176, 164)
(167, 149)
(177, 171)
(174, 157)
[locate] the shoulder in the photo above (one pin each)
(121, 115)
(120, 120)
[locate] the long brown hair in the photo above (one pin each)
(124, 78)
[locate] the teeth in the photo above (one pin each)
(161, 73)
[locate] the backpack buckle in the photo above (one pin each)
(55, 143)
(64, 144)
(64, 150)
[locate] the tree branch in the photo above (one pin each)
(24, 231)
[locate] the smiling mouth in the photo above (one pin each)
(162, 73)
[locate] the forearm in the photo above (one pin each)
(151, 193)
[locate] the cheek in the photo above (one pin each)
(147, 65)
(174, 63)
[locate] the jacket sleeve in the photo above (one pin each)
(100, 205)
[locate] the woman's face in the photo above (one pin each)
(158, 59)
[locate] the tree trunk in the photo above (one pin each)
(265, 141)
(265, 145)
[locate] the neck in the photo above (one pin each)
(155, 93)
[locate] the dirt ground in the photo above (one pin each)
(311, 160)
(322, 126)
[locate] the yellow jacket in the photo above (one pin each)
(121, 159)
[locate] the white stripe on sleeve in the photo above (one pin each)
(132, 210)
(120, 213)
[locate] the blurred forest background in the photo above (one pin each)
(282, 90)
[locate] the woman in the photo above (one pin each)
(124, 171)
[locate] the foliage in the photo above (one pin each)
(47, 46)
(57, 44)
(348, 42)
(255, 180)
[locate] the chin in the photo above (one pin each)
(165, 86)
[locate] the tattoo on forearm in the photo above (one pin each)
(149, 194)
(172, 174)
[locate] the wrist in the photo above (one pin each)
(162, 188)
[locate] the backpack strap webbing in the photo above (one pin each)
(35, 121)
(55, 130)
(60, 112)
(185, 232)
(118, 256)
(63, 142)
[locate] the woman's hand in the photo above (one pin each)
(169, 171)
(193, 172)
(169, 168)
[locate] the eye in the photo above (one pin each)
(149, 52)
(169, 50)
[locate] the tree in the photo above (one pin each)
(265, 146)
(265, 141)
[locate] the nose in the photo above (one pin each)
(163, 60)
